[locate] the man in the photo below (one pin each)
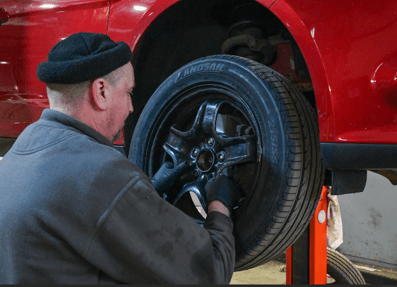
(74, 210)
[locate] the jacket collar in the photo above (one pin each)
(59, 119)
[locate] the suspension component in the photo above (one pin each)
(246, 40)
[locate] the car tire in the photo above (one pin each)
(276, 160)
(342, 270)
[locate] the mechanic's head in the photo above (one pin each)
(90, 77)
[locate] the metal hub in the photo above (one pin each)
(205, 160)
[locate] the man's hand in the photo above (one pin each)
(222, 189)
(166, 176)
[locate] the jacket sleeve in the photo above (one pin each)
(141, 238)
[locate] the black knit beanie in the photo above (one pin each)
(82, 57)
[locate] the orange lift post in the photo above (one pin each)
(306, 261)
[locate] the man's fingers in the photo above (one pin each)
(169, 164)
(184, 167)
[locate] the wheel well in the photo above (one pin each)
(191, 29)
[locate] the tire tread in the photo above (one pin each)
(296, 112)
(342, 269)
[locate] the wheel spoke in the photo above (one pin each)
(176, 146)
(179, 143)
(196, 129)
(238, 150)
(210, 118)
(198, 188)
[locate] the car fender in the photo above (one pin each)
(306, 42)
(128, 20)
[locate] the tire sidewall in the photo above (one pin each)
(241, 77)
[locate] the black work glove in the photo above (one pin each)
(223, 189)
(166, 175)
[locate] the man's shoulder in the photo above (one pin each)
(42, 134)
(90, 163)
(54, 136)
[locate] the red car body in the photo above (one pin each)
(350, 49)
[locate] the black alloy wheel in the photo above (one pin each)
(229, 115)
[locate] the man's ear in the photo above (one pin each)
(100, 94)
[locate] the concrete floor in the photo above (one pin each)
(272, 272)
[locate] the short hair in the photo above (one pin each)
(73, 94)
(114, 77)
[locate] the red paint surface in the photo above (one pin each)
(129, 19)
(343, 43)
(283, 66)
(350, 48)
(25, 40)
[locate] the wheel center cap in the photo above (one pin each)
(205, 160)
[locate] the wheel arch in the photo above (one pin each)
(170, 26)
(307, 45)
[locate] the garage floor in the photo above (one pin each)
(273, 273)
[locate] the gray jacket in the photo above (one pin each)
(74, 210)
